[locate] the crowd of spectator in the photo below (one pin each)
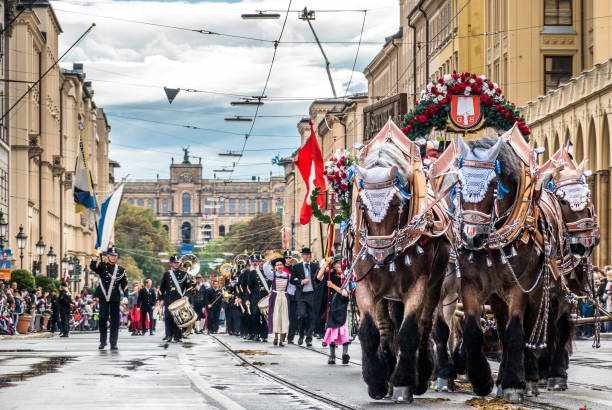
(602, 280)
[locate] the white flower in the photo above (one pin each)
(472, 81)
(482, 77)
(440, 97)
(467, 91)
(495, 86)
(448, 78)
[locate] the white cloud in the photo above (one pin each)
(126, 61)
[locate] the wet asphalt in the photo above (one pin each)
(70, 373)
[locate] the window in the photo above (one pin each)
(557, 12)
(222, 206)
(140, 202)
(166, 228)
(242, 206)
(186, 203)
(264, 206)
(186, 232)
(164, 206)
(150, 204)
(207, 233)
(252, 206)
(207, 207)
(557, 70)
(232, 206)
(130, 201)
(221, 230)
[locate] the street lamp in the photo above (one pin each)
(51, 255)
(21, 242)
(260, 16)
(40, 251)
(51, 266)
(70, 264)
(64, 264)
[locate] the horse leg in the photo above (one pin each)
(557, 377)
(404, 378)
(387, 335)
(513, 373)
(445, 371)
(373, 366)
(500, 310)
(478, 369)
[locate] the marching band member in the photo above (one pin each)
(213, 308)
(174, 285)
(258, 287)
(303, 277)
(278, 312)
(244, 296)
(199, 303)
(113, 280)
(336, 332)
(233, 313)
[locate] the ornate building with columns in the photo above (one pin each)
(195, 210)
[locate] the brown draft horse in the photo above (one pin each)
(398, 261)
(568, 196)
(502, 258)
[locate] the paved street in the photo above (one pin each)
(201, 373)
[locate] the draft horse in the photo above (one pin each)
(401, 254)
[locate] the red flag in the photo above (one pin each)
(310, 164)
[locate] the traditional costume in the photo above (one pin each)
(278, 307)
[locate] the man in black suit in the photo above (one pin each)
(146, 300)
(55, 311)
(303, 277)
(293, 318)
(213, 307)
(65, 302)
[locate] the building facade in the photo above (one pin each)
(44, 130)
(194, 210)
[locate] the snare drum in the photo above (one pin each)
(182, 313)
(264, 304)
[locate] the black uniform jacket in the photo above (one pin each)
(257, 288)
(146, 298)
(298, 275)
(105, 270)
(65, 300)
(168, 289)
(200, 296)
(337, 305)
(211, 297)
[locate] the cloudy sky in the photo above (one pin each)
(129, 63)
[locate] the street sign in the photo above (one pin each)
(75, 279)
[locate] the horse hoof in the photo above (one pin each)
(483, 390)
(389, 392)
(403, 394)
(514, 395)
(442, 385)
(556, 384)
(377, 392)
(531, 390)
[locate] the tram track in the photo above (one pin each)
(292, 386)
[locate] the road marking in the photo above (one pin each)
(585, 398)
(205, 388)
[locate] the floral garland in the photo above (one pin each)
(339, 173)
(433, 106)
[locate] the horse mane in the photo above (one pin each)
(388, 155)
(510, 163)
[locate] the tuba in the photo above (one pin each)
(191, 264)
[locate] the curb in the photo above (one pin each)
(606, 336)
(45, 335)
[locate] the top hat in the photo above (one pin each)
(306, 250)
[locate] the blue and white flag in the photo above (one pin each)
(82, 188)
(107, 218)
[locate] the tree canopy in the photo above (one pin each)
(140, 237)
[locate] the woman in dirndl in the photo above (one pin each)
(336, 332)
(278, 308)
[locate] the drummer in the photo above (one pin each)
(278, 311)
(175, 284)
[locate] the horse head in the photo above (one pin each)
(488, 175)
(574, 197)
(383, 199)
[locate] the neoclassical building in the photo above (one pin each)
(195, 210)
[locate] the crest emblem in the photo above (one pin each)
(469, 230)
(465, 111)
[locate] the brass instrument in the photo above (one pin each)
(227, 297)
(191, 264)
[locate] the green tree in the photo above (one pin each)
(134, 273)
(24, 279)
(260, 234)
(139, 234)
(46, 283)
(213, 250)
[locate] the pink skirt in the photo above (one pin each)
(337, 335)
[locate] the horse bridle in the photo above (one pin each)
(475, 221)
(572, 231)
(380, 247)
